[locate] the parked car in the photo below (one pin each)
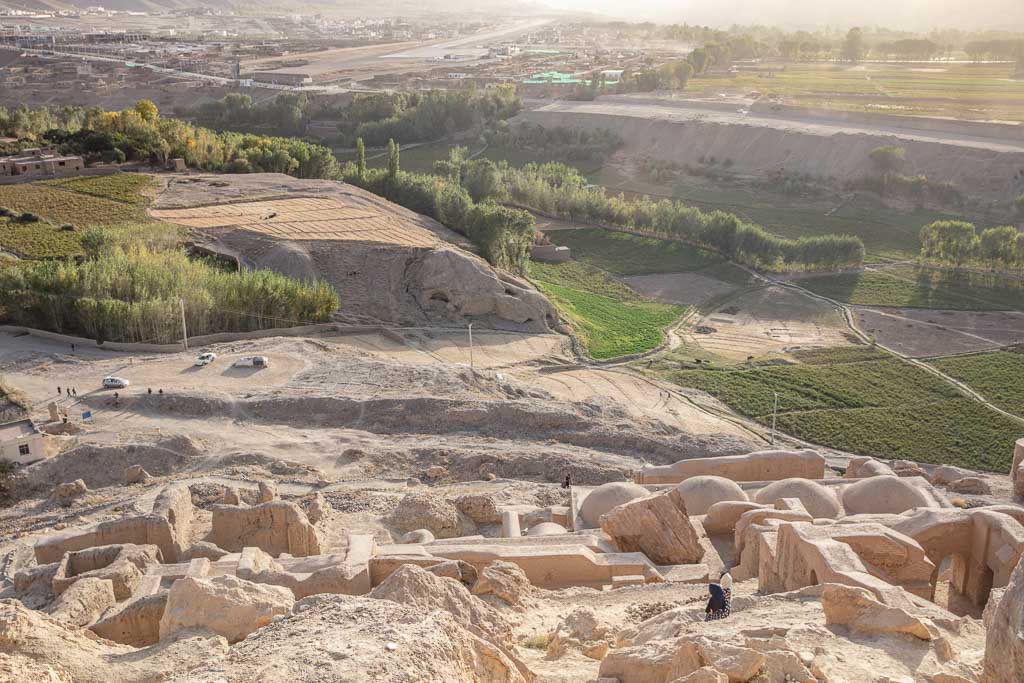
(112, 382)
(253, 362)
(205, 358)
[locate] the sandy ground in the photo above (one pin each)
(372, 405)
(768, 320)
(920, 332)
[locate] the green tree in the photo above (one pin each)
(360, 158)
(888, 159)
(699, 59)
(853, 46)
(147, 110)
(951, 242)
(394, 160)
(998, 246)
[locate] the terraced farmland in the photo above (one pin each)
(303, 219)
(61, 205)
(38, 240)
(998, 376)
(865, 402)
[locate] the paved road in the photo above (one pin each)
(679, 112)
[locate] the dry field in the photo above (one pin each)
(920, 332)
(303, 219)
(683, 289)
(765, 321)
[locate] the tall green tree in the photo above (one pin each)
(394, 160)
(853, 45)
(360, 157)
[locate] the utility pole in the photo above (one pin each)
(775, 413)
(184, 330)
(471, 347)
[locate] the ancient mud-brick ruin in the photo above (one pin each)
(879, 553)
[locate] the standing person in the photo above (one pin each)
(718, 604)
(72, 348)
(567, 482)
(58, 391)
(726, 583)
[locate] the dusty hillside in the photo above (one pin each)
(760, 143)
(389, 264)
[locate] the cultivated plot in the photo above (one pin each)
(917, 332)
(302, 219)
(766, 321)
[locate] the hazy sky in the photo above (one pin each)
(920, 15)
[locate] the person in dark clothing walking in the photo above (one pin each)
(567, 482)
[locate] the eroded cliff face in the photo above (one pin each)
(388, 264)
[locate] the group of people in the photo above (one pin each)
(70, 391)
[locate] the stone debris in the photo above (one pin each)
(135, 474)
(226, 605)
(67, 492)
(657, 526)
(970, 485)
(431, 512)
(505, 581)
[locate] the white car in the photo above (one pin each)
(112, 382)
(205, 359)
(253, 362)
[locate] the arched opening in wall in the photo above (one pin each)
(814, 578)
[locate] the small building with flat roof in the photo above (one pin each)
(21, 442)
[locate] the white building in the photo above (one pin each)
(21, 442)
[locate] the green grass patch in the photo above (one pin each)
(59, 205)
(997, 376)
(912, 287)
(865, 402)
(625, 254)
(609, 318)
(39, 240)
(121, 187)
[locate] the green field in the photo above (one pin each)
(998, 376)
(609, 318)
(38, 240)
(968, 91)
(912, 287)
(130, 188)
(624, 254)
(116, 201)
(865, 402)
(60, 205)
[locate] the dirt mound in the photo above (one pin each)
(80, 655)
(100, 465)
(578, 424)
(344, 638)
